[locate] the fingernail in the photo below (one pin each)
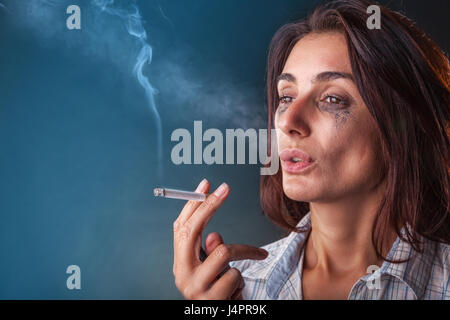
(220, 191)
(263, 252)
(201, 185)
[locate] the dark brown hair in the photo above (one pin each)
(404, 79)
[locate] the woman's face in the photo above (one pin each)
(322, 114)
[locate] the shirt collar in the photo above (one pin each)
(414, 273)
(287, 259)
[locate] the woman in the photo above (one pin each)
(362, 119)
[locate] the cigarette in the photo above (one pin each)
(179, 194)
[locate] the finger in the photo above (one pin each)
(192, 205)
(182, 233)
(225, 287)
(189, 234)
(219, 259)
(200, 218)
(212, 241)
(237, 295)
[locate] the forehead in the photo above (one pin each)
(318, 52)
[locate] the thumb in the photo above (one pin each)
(213, 240)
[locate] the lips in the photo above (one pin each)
(294, 160)
(289, 154)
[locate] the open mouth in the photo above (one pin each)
(295, 165)
(294, 160)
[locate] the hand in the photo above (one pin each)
(199, 280)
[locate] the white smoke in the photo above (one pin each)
(113, 30)
(132, 20)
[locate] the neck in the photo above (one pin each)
(341, 236)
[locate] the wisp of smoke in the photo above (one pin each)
(114, 30)
(133, 22)
(2, 6)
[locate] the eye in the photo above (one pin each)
(334, 100)
(285, 99)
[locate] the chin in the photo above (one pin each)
(298, 193)
(297, 188)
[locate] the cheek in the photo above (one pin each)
(352, 154)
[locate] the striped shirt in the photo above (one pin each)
(279, 276)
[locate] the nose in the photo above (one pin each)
(293, 121)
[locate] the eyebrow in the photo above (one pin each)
(321, 77)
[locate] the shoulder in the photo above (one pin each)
(443, 255)
(437, 261)
(442, 262)
(439, 257)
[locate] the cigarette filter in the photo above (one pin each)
(179, 194)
